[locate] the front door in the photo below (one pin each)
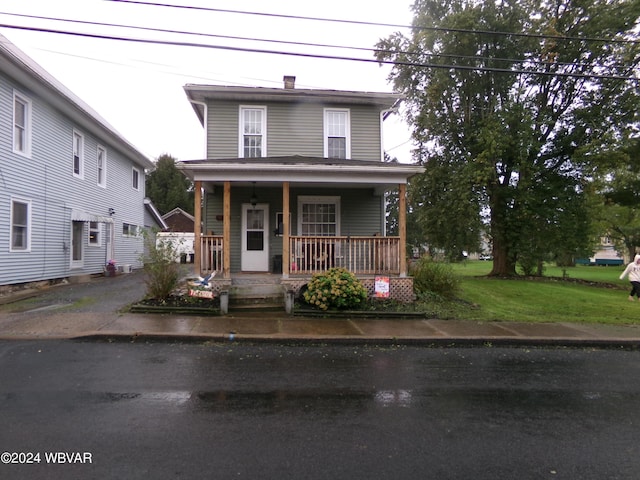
(255, 238)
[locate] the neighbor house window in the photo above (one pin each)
(129, 230)
(337, 132)
(319, 216)
(78, 155)
(21, 124)
(94, 233)
(253, 131)
(135, 179)
(20, 225)
(102, 166)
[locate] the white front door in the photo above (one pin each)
(255, 238)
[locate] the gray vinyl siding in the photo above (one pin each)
(360, 214)
(292, 129)
(46, 179)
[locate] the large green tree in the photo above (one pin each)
(513, 103)
(168, 188)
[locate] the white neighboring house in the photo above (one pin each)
(72, 189)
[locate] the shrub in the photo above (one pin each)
(163, 273)
(434, 277)
(335, 288)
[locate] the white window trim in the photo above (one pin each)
(29, 225)
(136, 170)
(102, 149)
(80, 174)
(347, 133)
(303, 199)
(27, 134)
(134, 230)
(99, 230)
(241, 111)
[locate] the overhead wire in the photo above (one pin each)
(379, 24)
(285, 42)
(323, 56)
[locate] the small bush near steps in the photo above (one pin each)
(431, 277)
(337, 288)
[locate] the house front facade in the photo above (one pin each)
(294, 183)
(72, 189)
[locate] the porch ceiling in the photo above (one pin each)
(300, 170)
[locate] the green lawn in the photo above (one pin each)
(546, 299)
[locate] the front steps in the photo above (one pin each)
(256, 296)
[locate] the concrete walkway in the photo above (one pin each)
(98, 309)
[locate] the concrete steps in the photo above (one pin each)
(256, 297)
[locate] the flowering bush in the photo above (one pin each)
(335, 288)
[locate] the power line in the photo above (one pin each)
(287, 42)
(325, 57)
(378, 24)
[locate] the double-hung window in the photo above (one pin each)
(253, 132)
(102, 166)
(21, 124)
(78, 155)
(94, 234)
(20, 225)
(337, 133)
(319, 216)
(135, 179)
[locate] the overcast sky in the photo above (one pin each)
(137, 87)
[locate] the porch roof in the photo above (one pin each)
(299, 169)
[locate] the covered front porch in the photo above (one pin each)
(294, 217)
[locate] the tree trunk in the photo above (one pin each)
(504, 264)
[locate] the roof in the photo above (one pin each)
(19, 66)
(200, 94)
(178, 211)
(300, 169)
(155, 213)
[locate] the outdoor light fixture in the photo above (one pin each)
(112, 211)
(253, 200)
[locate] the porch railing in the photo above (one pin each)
(360, 255)
(211, 258)
(309, 255)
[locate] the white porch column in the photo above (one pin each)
(197, 228)
(286, 255)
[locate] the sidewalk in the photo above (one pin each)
(53, 313)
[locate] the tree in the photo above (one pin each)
(168, 188)
(519, 119)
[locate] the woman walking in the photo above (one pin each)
(633, 270)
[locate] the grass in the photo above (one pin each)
(592, 295)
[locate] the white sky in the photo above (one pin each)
(138, 87)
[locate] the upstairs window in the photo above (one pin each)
(78, 155)
(21, 125)
(102, 166)
(135, 179)
(337, 141)
(253, 129)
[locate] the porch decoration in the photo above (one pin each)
(336, 288)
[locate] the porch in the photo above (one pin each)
(361, 255)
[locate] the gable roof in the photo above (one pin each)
(25, 71)
(178, 211)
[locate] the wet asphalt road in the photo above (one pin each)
(225, 410)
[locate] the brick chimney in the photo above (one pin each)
(289, 82)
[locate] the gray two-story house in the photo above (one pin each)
(294, 183)
(72, 189)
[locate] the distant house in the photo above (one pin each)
(178, 220)
(72, 189)
(294, 183)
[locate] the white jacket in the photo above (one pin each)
(633, 270)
